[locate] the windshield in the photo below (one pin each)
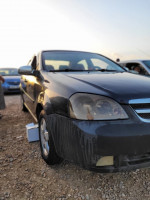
(9, 72)
(77, 61)
(147, 63)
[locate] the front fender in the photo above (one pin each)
(55, 105)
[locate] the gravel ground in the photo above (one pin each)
(24, 175)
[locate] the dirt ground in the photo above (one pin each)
(24, 175)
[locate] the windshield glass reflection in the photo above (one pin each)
(77, 61)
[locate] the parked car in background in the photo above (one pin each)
(12, 80)
(90, 110)
(137, 66)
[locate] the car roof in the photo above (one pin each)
(67, 51)
(8, 68)
(138, 60)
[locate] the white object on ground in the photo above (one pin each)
(32, 132)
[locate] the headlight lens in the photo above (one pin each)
(95, 107)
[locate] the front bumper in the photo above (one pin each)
(85, 142)
(11, 90)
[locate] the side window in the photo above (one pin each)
(142, 70)
(131, 66)
(137, 68)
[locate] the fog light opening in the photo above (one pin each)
(105, 161)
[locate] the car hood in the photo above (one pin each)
(122, 86)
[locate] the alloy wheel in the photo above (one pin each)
(44, 137)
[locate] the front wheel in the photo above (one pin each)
(48, 150)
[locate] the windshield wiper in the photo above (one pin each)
(107, 70)
(81, 70)
(67, 70)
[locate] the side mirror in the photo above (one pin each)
(25, 70)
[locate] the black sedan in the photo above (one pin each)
(90, 110)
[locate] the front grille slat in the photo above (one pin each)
(142, 108)
(138, 159)
(139, 111)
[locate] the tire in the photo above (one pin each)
(47, 146)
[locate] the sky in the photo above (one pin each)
(114, 28)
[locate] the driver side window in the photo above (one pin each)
(137, 68)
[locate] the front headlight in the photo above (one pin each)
(95, 107)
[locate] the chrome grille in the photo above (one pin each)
(142, 108)
(145, 115)
(138, 106)
(137, 159)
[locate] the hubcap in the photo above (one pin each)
(44, 137)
